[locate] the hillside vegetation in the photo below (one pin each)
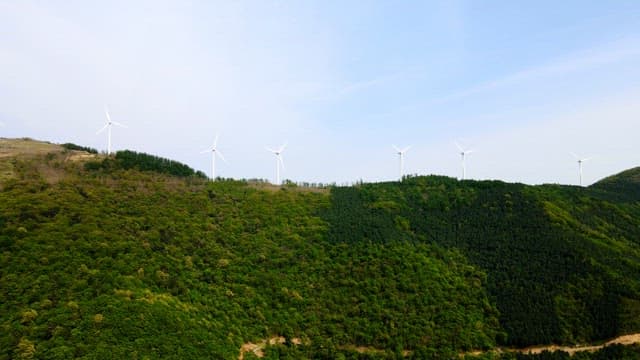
(561, 262)
(138, 257)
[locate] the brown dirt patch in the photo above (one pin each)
(258, 349)
(81, 156)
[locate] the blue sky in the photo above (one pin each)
(522, 83)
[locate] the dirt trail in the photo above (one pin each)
(622, 340)
(258, 349)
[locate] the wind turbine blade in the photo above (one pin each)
(117, 123)
(282, 147)
(405, 149)
(215, 142)
(270, 149)
(220, 155)
(574, 155)
(106, 111)
(281, 161)
(102, 129)
(205, 151)
(458, 146)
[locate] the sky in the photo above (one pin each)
(524, 84)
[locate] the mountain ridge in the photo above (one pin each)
(111, 256)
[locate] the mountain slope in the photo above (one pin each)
(561, 264)
(625, 184)
(111, 262)
(140, 257)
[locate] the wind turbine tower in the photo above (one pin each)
(108, 126)
(401, 153)
(463, 153)
(214, 152)
(580, 161)
(279, 161)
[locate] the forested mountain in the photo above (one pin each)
(626, 185)
(561, 264)
(135, 256)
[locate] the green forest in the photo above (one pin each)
(139, 257)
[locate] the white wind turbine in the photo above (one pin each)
(580, 161)
(401, 153)
(108, 126)
(214, 152)
(463, 153)
(279, 162)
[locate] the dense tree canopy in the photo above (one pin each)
(561, 262)
(137, 257)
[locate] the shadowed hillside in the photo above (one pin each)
(625, 184)
(561, 264)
